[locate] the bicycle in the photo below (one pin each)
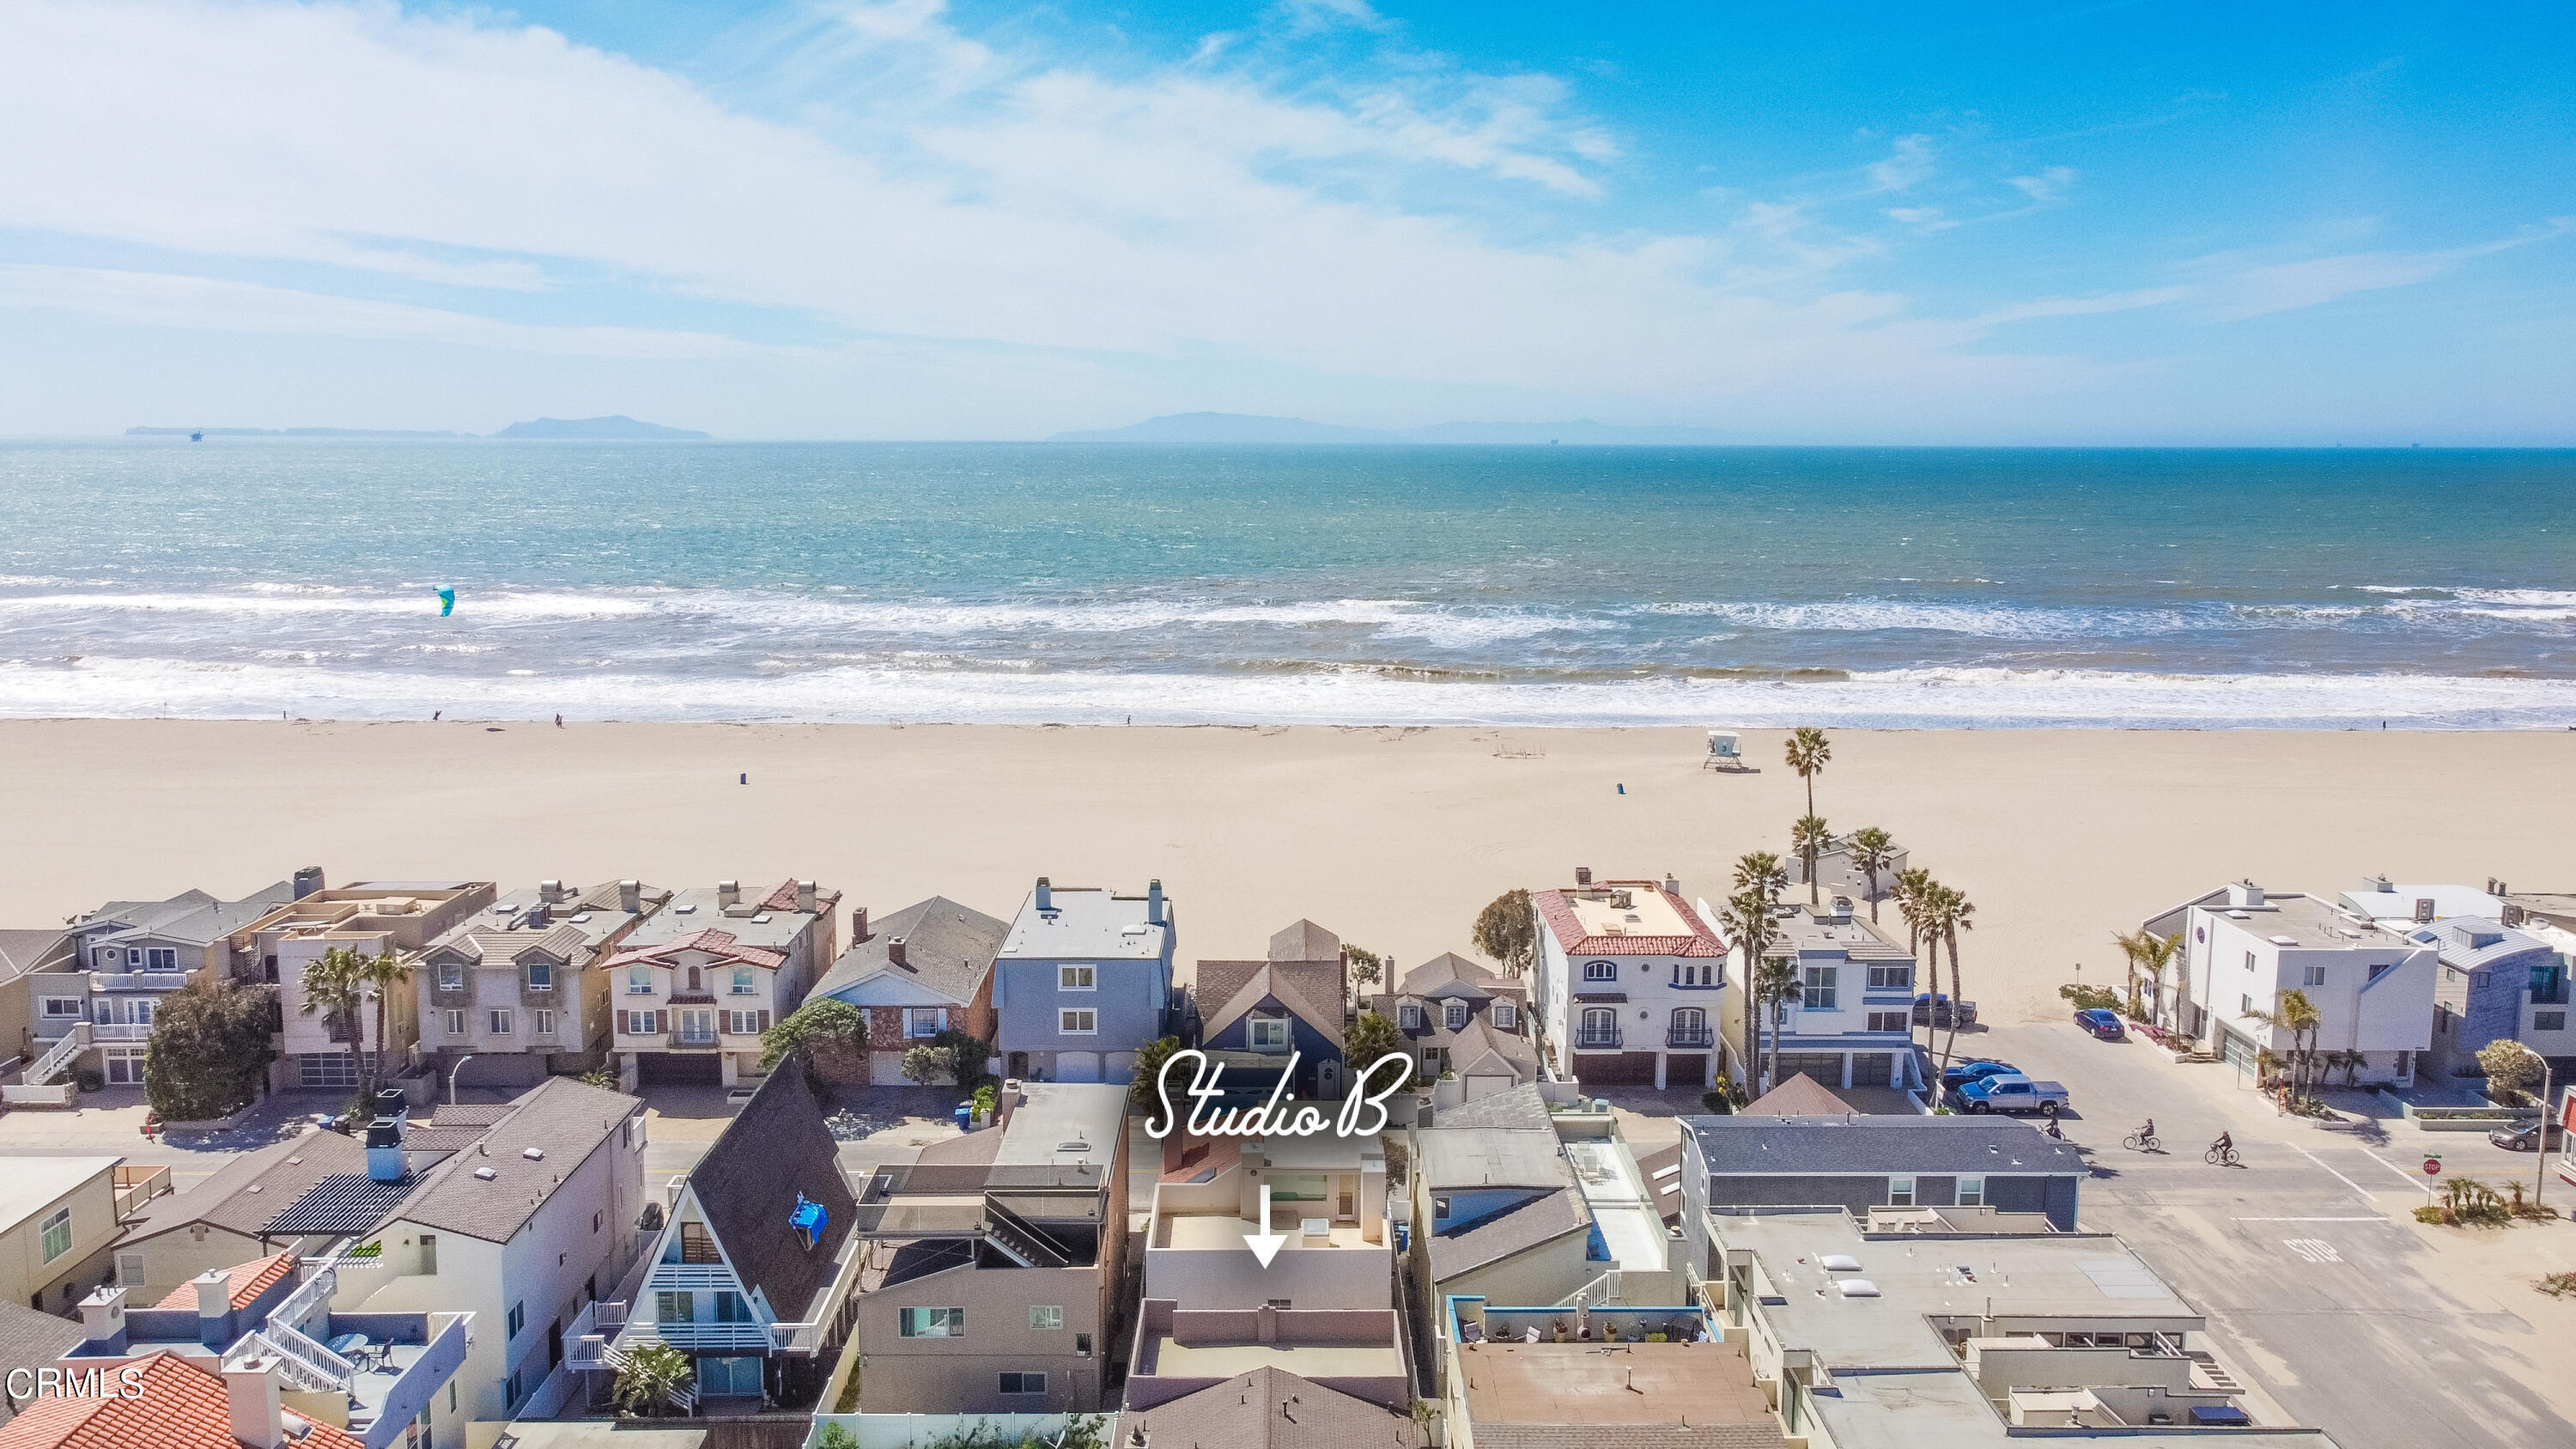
(2220, 1157)
(2143, 1142)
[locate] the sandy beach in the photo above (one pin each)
(1392, 837)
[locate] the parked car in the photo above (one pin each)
(1933, 1009)
(1960, 1074)
(2013, 1093)
(2102, 1022)
(2526, 1138)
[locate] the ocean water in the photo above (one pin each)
(1524, 586)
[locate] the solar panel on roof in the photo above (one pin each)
(341, 1203)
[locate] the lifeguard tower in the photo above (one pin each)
(1722, 754)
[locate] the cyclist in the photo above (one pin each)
(2051, 1129)
(2225, 1146)
(2148, 1132)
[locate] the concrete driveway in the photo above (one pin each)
(2353, 1317)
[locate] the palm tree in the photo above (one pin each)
(1872, 851)
(1808, 835)
(1954, 909)
(1808, 752)
(379, 975)
(1914, 891)
(1747, 918)
(1772, 988)
(651, 1378)
(1761, 872)
(2298, 1016)
(334, 991)
(2156, 956)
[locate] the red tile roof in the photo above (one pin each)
(249, 1280)
(781, 899)
(710, 940)
(180, 1406)
(1554, 909)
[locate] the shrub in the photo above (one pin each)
(956, 1055)
(2089, 998)
(2433, 1213)
(837, 1436)
(1717, 1102)
(827, 1021)
(2556, 1285)
(209, 1051)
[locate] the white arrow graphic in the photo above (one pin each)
(1265, 1244)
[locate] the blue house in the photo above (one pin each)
(1254, 1014)
(1083, 979)
(2496, 981)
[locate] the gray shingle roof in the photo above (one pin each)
(1303, 940)
(1459, 976)
(1268, 1408)
(946, 947)
(30, 1339)
(1793, 1145)
(22, 951)
(776, 1149)
(191, 916)
(1542, 1219)
(563, 1118)
(1520, 1108)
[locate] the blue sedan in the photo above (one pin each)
(1958, 1076)
(2102, 1022)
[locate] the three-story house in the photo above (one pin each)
(703, 977)
(522, 987)
(1629, 982)
(1082, 981)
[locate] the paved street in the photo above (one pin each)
(2352, 1320)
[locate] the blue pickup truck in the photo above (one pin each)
(2012, 1092)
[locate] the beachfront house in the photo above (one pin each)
(1630, 981)
(1083, 979)
(1849, 1022)
(2496, 982)
(521, 985)
(995, 1262)
(1464, 1024)
(1254, 1015)
(925, 969)
(126, 957)
(755, 1259)
(2373, 989)
(370, 918)
(702, 978)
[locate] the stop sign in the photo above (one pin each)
(2432, 1166)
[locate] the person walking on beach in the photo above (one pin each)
(558, 721)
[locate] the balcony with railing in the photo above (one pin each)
(120, 1031)
(1690, 1038)
(137, 1185)
(1598, 1038)
(138, 980)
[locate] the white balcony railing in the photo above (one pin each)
(138, 980)
(120, 1031)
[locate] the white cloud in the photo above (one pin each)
(2240, 288)
(1907, 166)
(2050, 185)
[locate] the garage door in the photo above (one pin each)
(1077, 1066)
(1118, 1068)
(676, 1069)
(1874, 1069)
(885, 1069)
(1825, 1067)
(1614, 1069)
(2235, 1050)
(1686, 1069)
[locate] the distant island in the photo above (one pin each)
(595, 429)
(1249, 428)
(590, 429)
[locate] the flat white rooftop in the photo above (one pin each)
(31, 1183)
(1649, 912)
(1087, 924)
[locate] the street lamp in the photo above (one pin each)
(451, 1076)
(2540, 1179)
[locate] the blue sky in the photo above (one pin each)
(2075, 222)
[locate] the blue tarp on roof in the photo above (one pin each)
(808, 1218)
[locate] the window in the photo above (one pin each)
(730, 1307)
(1409, 1016)
(1891, 978)
(451, 1396)
(1600, 971)
(541, 976)
(1268, 1032)
(1440, 1207)
(643, 1023)
(1045, 1318)
(2245, 1005)
(745, 1023)
(2549, 1021)
(1024, 1383)
(1073, 1021)
(1431, 1061)
(451, 976)
(697, 1245)
(1889, 1021)
(1600, 1026)
(2312, 976)
(1506, 1016)
(674, 1307)
(1972, 1192)
(57, 1233)
(510, 1392)
(921, 1021)
(62, 1007)
(1900, 1192)
(160, 958)
(2249, 961)
(542, 1023)
(932, 1323)
(500, 1021)
(518, 1320)
(1695, 973)
(742, 984)
(456, 1022)
(1074, 978)
(131, 1270)
(1820, 988)
(429, 1268)
(639, 980)
(1082, 1344)
(697, 982)
(1457, 1017)
(2381, 969)
(1690, 1026)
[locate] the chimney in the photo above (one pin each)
(805, 896)
(1046, 895)
(858, 924)
(1012, 1096)
(307, 881)
(250, 1391)
(2244, 895)
(630, 896)
(2499, 888)
(728, 892)
(103, 1315)
(384, 1150)
(2377, 883)
(1154, 903)
(214, 1308)
(2513, 914)
(894, 952)
(2423, 910)
(1672, 884)
(1583, 875)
